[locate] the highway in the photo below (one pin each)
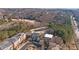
(75, 28)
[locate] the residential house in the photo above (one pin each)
(13, 42)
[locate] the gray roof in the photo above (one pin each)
(9, 41)
(14, 38)
(5, 44)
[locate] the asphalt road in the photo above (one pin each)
(26, 45)
(23, 48)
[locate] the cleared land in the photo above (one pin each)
(12, 28)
